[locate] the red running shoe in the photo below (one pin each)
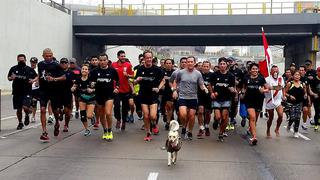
(155, 130)
(44, 137)
(207, 132)
(200, 134)
(118, 124)
(147, 138)
(65, 128)
(96, 126)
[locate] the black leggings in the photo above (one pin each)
(295, 115)
(124, 99)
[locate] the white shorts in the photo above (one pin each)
(274, 105)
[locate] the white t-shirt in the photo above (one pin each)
(276, 98)
(35, 85)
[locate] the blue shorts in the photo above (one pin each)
(221, 105)
(189, 103)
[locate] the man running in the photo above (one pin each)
(106, 86)
(306, 104)
(124, 70)
(315, 94)
(167, 92)
(50, 73)
(76, 73)
(187, 82)
(274, 98)
(150, 78)
(35, 90)
(22, 77)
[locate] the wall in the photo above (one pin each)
(29, 26)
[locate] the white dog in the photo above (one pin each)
(173, 143)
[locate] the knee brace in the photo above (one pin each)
(83, 116)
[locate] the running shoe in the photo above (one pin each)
(118, 124)
(253, 141)
(312, 122)
(189, 136)
(296, 135)
(65, 129)
(243, 122)
(304, 126)
(131, 118)
(316, 127)
(231, 127)
(123, 126)
(147, 138)
(233, 121)
(220, 138)
(225, 134)
(56, 129)
(20, 126)
(215, 124)
(183, 132)
(200, 134)
(155, 130)
(33, 120)
(87, 132)
(228, 127)
(44, 137)
(110, 136)
(96, 126)
(207, 132)
(77, 115)
(50, 120)
(93, 120)
(128, 119)
(26, 120)
(105, 136)
(288, 128)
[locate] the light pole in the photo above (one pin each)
(271, 8)
(188, 6)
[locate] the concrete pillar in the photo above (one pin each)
(300, 51)
(84, 49)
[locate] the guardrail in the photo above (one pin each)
(56, 6)
(200, 9)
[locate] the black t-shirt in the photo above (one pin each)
(151, 78)
(238, 74)
(252, 87)
(311, 73)
(305, 80)
(105, 80)
(206, 80)
(315, 85)
(52, 69)
(297, 92)
(83, 85)
(167, 89)
(21, 85)
(66, 85)
(221, 83)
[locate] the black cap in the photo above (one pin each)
(308, 61)
(64, 60)
(34, 60)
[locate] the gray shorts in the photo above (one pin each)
(221, 105)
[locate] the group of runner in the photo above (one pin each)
(194, 89)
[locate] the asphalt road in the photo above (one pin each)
(73, 156)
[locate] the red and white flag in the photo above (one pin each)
(267, 63)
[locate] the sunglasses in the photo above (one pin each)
(63, 62)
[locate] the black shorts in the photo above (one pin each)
(101, 100)
(189, 103)
(254, 103)
(148, 100)
(167, 97)
(205, 102)
(35, 94)
(305, 102)
(66, 100)
(53, 96)
(21, 100)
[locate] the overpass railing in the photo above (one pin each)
(56, 6)
(217, 8)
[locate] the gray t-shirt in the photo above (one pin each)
(174, 75)
(188, 83)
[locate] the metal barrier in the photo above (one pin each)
(200, 8)
(57, 6)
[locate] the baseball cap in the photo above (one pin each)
(63, 60)
(34, 60)
(308, 62)
(72, 60)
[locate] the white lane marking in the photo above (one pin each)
(153, 176)
(14, 132)
(300, 135)
(9, 117)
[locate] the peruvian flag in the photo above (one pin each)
(265, 65)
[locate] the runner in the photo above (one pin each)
(124, 70)
(167, 92)
(94, 64)
(22, 77)
(186, 83)
(254, 87)
(306, 104)
(222, 89)
(315, 94)
(86, 93)
(295, 93)
(310, 74)
(35, 90)
(150, 78)
(104, 79)
(50, 73)
(205, 102)
(76, 73)
(274, 98)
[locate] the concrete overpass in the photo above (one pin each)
(297, 32)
